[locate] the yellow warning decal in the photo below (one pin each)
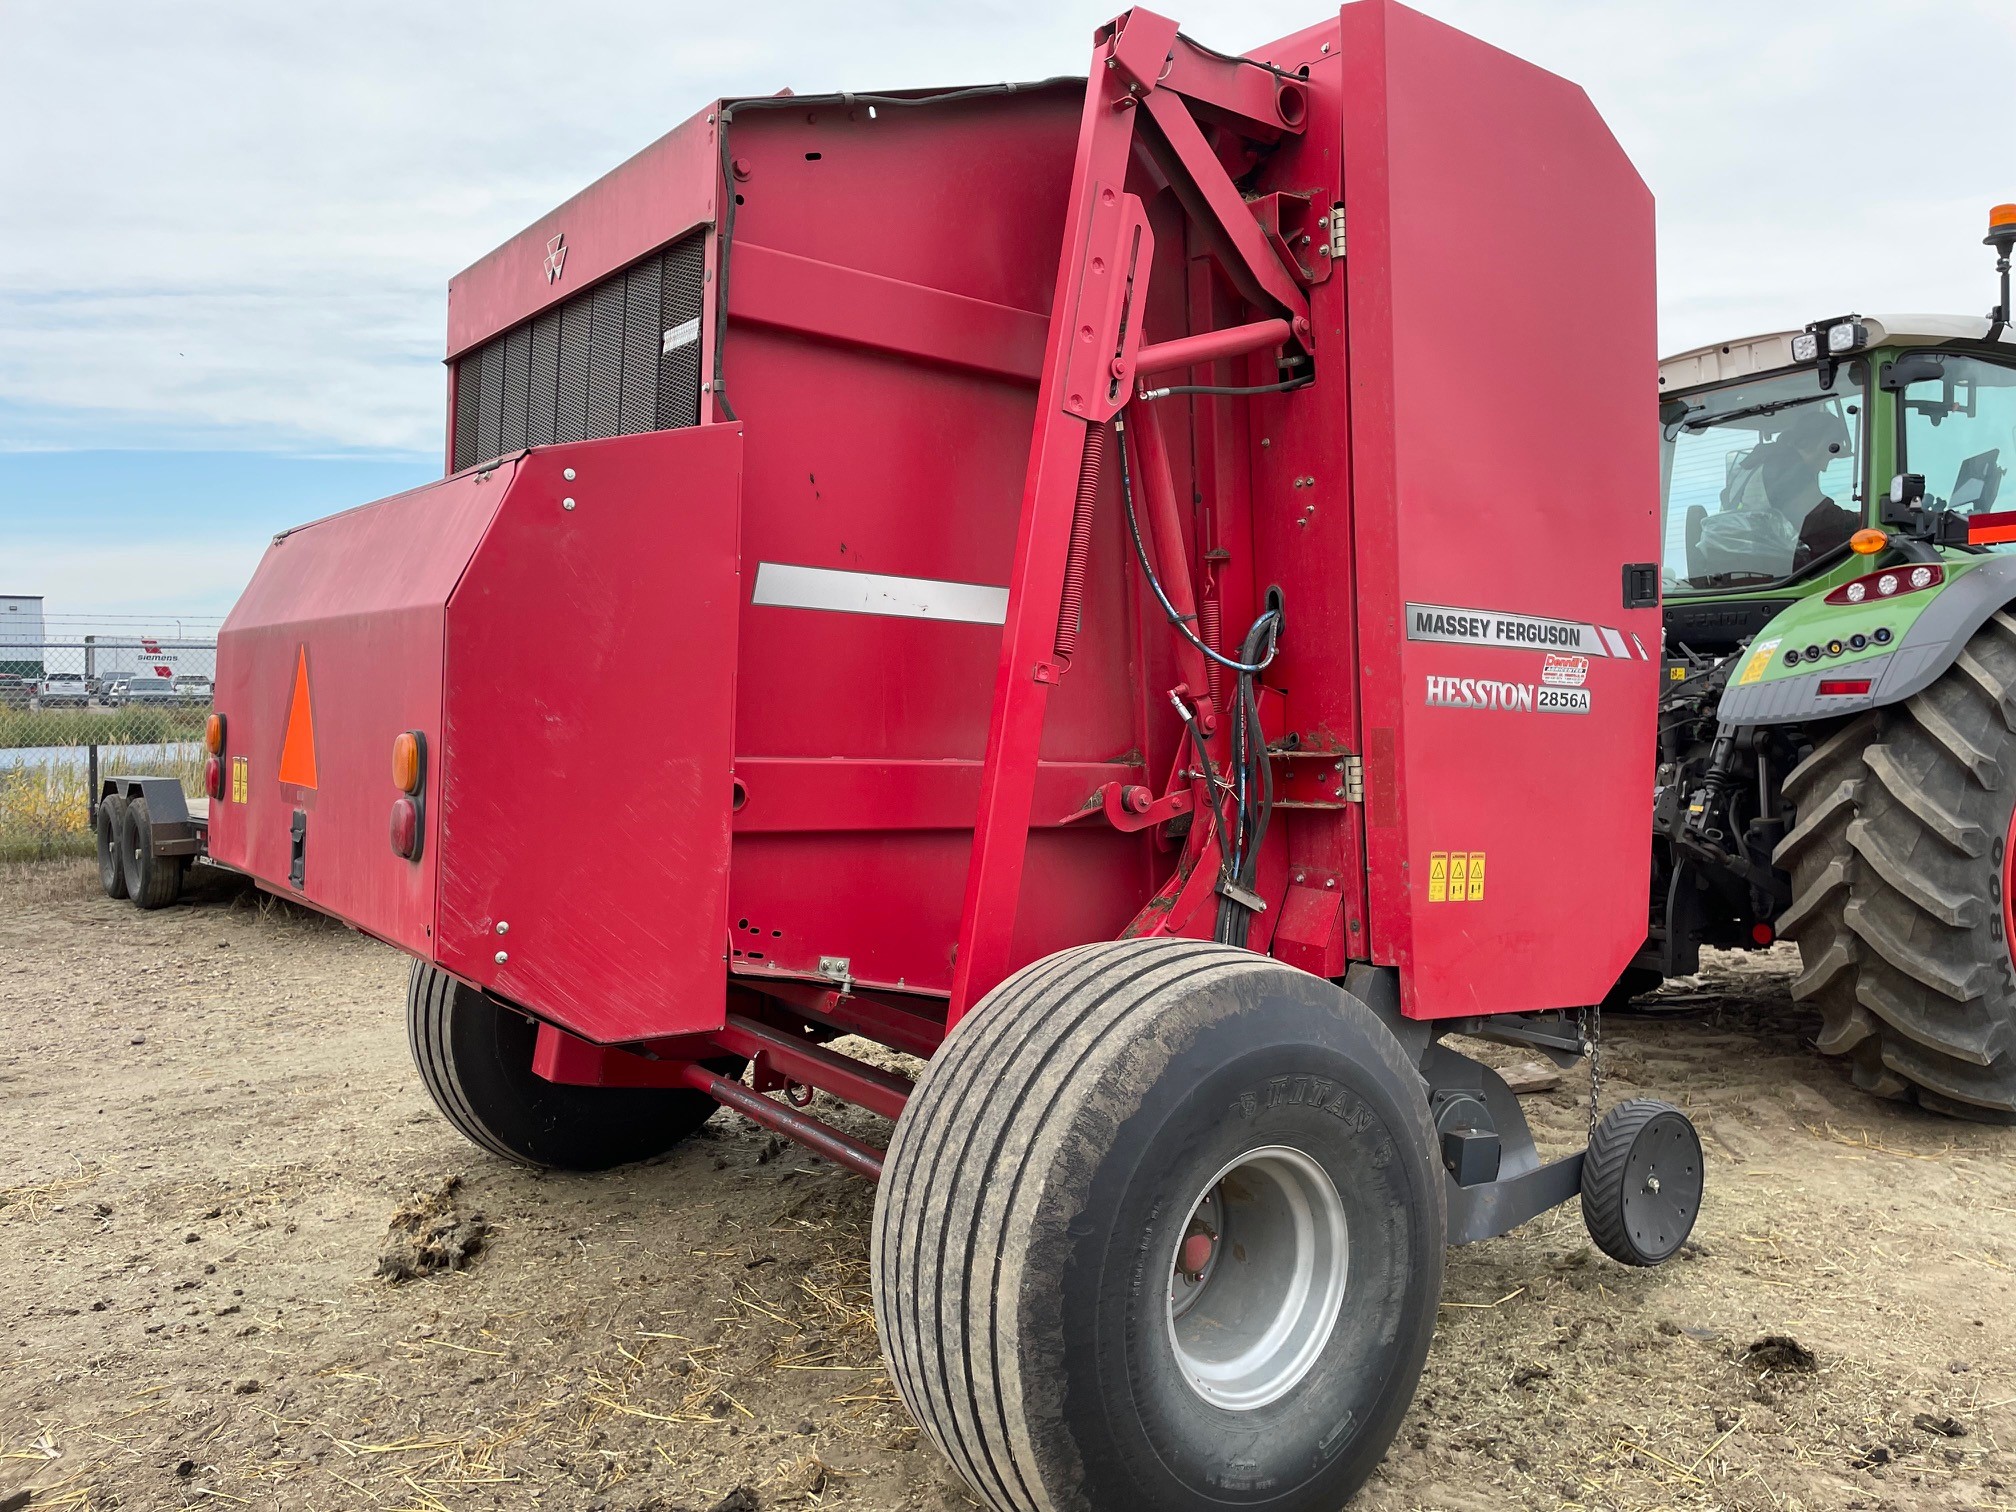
(1760, 658)
(241, 777)
(1677, 674)
(1456, 876)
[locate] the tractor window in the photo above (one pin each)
(1758, 478)
(1959, 433)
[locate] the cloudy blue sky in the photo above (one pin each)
(228, 225)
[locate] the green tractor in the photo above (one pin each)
(1837, 745)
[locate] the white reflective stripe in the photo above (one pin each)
(787, 587)
(683, 334)
(1643, 654)
(1614, 641)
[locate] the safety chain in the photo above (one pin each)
(1589, 1023)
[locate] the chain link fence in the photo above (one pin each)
(73, 708)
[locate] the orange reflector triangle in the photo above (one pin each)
(297, 752)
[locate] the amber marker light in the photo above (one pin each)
(409, 761)
(213, 734)
(1868, 542)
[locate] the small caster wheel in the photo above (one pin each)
(1641, 1182)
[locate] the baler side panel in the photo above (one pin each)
(358, 598)
(888, 293)
(1495, 227)
(588, 737)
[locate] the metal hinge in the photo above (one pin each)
(1353, 768)
(1333, 225)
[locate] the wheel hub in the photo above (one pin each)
(1257, 1279)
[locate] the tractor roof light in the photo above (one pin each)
(1888, 584)
(2001, 226)
(1805, 346)
(1846, 336)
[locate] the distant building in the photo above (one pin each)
(21, 634)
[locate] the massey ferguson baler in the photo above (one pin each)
(1167, 683)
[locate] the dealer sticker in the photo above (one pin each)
(1564, 671)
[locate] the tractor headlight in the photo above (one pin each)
(1847, 336)
(1805, 347)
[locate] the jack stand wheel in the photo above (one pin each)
(1641, 1182)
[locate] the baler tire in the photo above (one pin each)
(474, 1056)
(1044, 1182)
(1898, 866)
(110, 825)
(151, 881)
(1631, 1223)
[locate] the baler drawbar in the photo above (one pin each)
(1166, 687)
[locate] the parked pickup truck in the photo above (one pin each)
(64, 689)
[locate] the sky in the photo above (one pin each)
(229, 225)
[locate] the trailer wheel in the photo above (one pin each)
(151, 881)
(1901, 869)
(111, 823)
(475, 1059)
(1642, 1181)
(1162, 1226)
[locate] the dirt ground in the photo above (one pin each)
(208, 1122)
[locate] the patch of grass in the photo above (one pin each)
(45, 806)
(80, 727)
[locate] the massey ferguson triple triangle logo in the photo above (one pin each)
(556, 258)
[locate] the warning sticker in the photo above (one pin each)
(1456, 877)
(1564, 671)
(241, 777)
(1760, 658)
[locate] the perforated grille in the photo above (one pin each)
(594, 365)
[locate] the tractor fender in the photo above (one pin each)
(1928, 647)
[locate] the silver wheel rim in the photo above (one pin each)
(1257, 1277)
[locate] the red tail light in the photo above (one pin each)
(213, 777)
(1843, 687)
(406, 828)
(1912, 577)
(1763, 934)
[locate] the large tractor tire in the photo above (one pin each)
(475, 1059)
(1162, 1226)
(1900, 869)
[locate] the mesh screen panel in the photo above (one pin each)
(615, 360)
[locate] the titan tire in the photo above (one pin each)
(1900, 878)
(151, 881)
(110, 824)
(475, 1059)
(1162, 1226)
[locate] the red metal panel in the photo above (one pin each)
(658, 195)
(587, 740)
(1500, 277)
(360, 594)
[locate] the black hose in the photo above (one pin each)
(1286, 386)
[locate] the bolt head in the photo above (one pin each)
(1652, 1183)
(567, 504)
(503, 926)
(503, 956)
(568, 474)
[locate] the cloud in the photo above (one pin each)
(230, 219)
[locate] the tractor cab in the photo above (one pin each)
(1775, 450)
